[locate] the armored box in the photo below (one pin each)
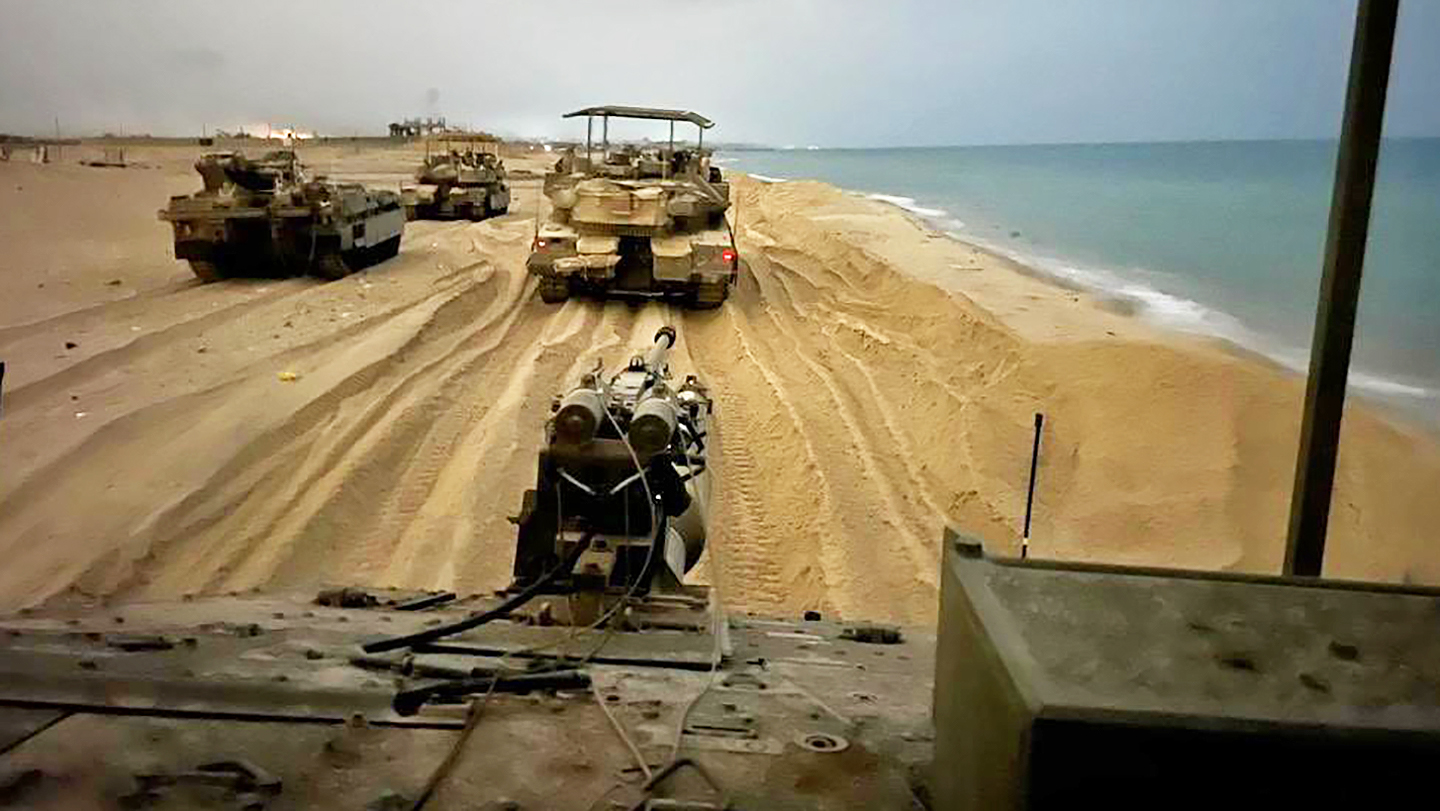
(1083, 686)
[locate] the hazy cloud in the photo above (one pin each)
(204, 60)
(833, 72)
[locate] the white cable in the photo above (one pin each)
(620, 730)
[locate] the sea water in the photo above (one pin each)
(1218, 238)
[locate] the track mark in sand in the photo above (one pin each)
(235, 512)
(375, 461)
(762, 572)
(853, 410)
(131, 345)
(854, 461)
(463, 524)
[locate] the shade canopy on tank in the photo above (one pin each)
(656, 113)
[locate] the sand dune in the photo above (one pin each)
(874, 382)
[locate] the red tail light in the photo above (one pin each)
(539, 244)
(728, 255)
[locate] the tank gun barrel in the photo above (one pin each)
(664, 340)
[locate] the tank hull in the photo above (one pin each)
(265, 219)
(693, 269)
(462, 203)
(258, 244)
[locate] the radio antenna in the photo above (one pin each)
(1030, 495)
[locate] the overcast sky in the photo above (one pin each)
(827, 72)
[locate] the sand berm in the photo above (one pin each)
(874, 382)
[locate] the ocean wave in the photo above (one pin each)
(1181, 314)
(909, 204)
(1394, 388)
(1148, 302)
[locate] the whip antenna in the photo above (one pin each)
(1030, 496)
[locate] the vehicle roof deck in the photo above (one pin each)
(658, 113)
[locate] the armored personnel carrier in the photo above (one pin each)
(458, 185)
(637, 221)
(267, 217)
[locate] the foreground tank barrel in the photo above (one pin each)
(664, 339)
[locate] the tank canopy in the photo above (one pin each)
(621, 111)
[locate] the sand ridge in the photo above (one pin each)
(868, 393)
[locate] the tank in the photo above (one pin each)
(268, 217)
(642, 221)
(456, 185)
(606, 675)
(621, 485)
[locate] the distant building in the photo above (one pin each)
(416, 127)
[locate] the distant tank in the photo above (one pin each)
(267, 217)
(637, 221)
(455, 185)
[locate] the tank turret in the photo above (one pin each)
(637, 220)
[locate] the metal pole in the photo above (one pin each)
(1340, 286)
(589, 128)
(671, 156)
(605, 135)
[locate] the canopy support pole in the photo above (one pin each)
(1340, 286)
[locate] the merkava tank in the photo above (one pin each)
(637, 221)
(458, 185)
(268, 217)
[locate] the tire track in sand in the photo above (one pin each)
(267, 460)
(770, 519)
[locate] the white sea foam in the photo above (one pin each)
(908, 203)
(1187, 315)
(1152, 304)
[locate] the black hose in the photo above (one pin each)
(475, 620)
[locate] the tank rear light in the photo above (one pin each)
(539, 244)
(727, 255)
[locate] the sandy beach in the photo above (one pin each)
(875, 381)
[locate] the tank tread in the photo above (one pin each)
(554, 289)
(709, 295)
(332, 265)
(206, 271)
(388, 249)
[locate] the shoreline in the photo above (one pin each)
(1399, 407)
(1161, 447)
(875, 381)
(1414, 405)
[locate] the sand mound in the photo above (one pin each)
(860, 409)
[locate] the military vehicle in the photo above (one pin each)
(606, 676)
(621, 485)
(637, 221)
(268, 217)
(454, 184)
(602, 677)
(1056, 685)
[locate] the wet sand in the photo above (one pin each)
(874, 382)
